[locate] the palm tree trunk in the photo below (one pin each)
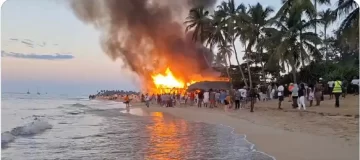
(248, 66)
(228, 72)
(326, 44)
(293, 66)
(237, 60)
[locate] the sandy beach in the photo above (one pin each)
(320, 133)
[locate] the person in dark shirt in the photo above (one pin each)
(201, 98)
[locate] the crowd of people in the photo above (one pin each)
(237, 99)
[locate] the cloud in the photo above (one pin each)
(14, 39)
(55, 56)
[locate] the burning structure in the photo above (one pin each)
(149, 37)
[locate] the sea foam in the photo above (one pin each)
(30, 129)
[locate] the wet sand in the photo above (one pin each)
(320, 133)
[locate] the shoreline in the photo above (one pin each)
(283, 144)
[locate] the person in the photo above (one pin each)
(355, 85)
(192, 98)
(227, 101)
(268, 92)
(237, 99)
(217, 98)
(243, 99)
(311, 95)
(344, 88)
(318, 93)
(291, 86)
(212, 98)
(295, 94)
(206, 98)
(127, 101)
(222, 96)
(200, 98)
(337, 91)
(330, 88)
(147, 100)
(280, 95)
(301, 95)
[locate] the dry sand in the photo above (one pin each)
(320, 133)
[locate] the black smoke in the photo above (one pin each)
(147, 35)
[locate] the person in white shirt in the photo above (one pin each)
(280, 93)
(206, 99)
(330, 88)
(147, 100)
(243, 93)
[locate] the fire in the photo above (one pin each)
(168, 80)
(169, 83)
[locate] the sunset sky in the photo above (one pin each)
(45, 47)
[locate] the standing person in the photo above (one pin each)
(192, 98)
(206, 98)
(237, 99)
(311, 95)
(337, 91)
(355, 85)
(318, 93)
(212, 98)
(243, 99)
(330, 88)
(127, 101)
(227, 101)
(295, 94)
(217, 98)
(301, 95)
(344, 87)
(268, 92)
(291, 86)
(147, 100)
(280, 95)
(200, 98)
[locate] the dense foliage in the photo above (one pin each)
(296, 39)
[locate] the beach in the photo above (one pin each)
(320, 133)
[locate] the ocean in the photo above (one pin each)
(60, 127)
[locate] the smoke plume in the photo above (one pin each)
(147, 35)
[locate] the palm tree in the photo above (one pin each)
(296, 41)
(349, 27)
(252, 23)
(229, 14)
(199, 20)
(326, 17)
(224, 55)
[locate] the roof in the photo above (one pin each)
(206, 85)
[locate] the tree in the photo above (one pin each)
(198, 19)
(349, 27)
(228, 13)
(295, 44)
(252, 23)
(326, 17)
(224, 55)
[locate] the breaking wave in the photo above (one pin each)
(30, 129)
(78, 105)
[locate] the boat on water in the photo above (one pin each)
(28, 92)
(38, 92)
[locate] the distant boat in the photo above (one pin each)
(38, 92)
(28, 92)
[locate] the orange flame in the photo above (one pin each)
(167, 81)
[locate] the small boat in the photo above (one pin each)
(38, 92)
(28, 92)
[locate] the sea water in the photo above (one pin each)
(61, 127)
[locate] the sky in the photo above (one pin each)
(45, 47)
